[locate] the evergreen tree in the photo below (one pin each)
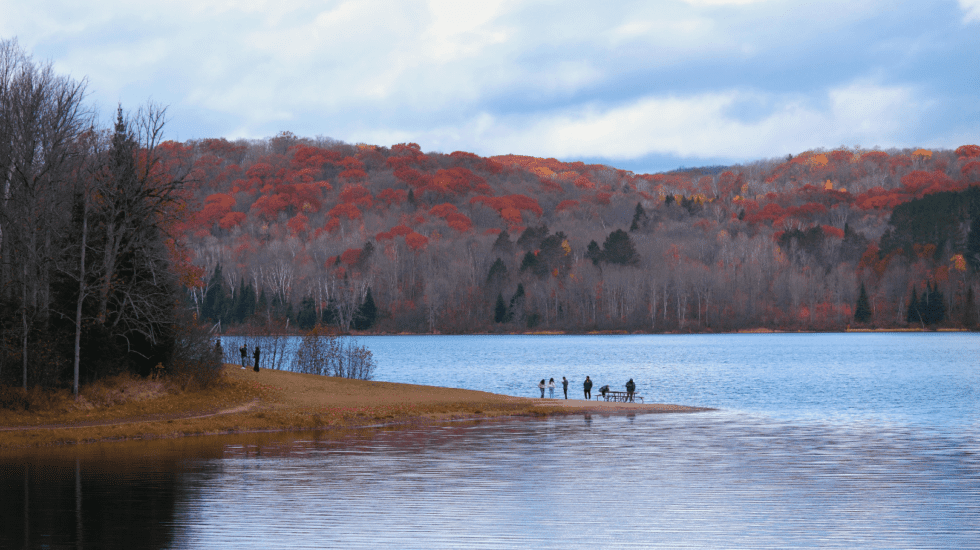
(531, 238)
(330, 312)
(262, 307)
(970, 310)
(306, 319)
(502, 246)
(530, 262)
(913, 315)
(364, 257)
(515, 311)
(619, 249)
(500, 309)
(973, 244)
(367, 313)
(214, 299)
(932, 305)
(862, 311)
(639, 218)
(594, 253)
(497, 274)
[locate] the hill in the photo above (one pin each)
(301, 230)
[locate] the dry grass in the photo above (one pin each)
(245, 401)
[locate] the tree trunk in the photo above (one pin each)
(81, 296)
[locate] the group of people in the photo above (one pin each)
(586, 386)
(551, 386)
(256, 354)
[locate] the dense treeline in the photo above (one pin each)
(90, 275)
(295, 230)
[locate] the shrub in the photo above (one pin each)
(330, 355)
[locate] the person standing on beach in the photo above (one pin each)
(256, 356)
(244, 352)
(551, 388)
(630, 388)
(541, 387)
(587, 386)
(564, 386)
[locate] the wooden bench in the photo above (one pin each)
(618, 396)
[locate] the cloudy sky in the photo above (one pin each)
(642, 85)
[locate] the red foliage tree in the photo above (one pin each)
(393, 196)
(400, 230)
(459, 222)
(269, 207)
(231, 219)
(971, 171)
(442, 210)
(568, 204)
(416, 242)
(345, 210)
(298, 224)
(968, 151)
(832, 231)
(351, 256)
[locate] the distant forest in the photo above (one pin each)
(301, 231)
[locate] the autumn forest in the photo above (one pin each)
(394, 239)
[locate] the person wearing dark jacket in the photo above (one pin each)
(244, 352)
(587, 386)
(630, 388)
(256, 356)
(564, 386)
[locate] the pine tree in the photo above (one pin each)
(306, 319)
(500, 309)
(862, 311)
(619, 249)
(515, 311)
(639, 218)
(214, 299)
(913, 315)
(367, 313)
(497, 274)
(969, 310)
(594, 253)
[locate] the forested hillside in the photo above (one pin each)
(397, 240)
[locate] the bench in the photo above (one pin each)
(618, 396)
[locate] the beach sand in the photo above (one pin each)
(278, 401)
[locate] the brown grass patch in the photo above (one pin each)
(245, 401)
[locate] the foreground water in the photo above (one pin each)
(830, 441)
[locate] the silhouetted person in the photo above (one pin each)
(630, 388)
(564, 386)
(587, 386)
(256, 356)
(244, 352)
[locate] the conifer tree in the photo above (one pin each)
(913, 315)
(969, 310)
(500, 309)
(639, 218)
(862, 311)
(367, 313)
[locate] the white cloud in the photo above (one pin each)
(693, 126)
(972, 9)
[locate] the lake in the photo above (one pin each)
(820, 440)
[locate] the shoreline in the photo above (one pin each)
(280, 401)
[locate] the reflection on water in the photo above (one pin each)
(674, 481)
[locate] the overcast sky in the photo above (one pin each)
(646, 85)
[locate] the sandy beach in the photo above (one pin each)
(278, 401)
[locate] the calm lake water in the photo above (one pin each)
(821, 441)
